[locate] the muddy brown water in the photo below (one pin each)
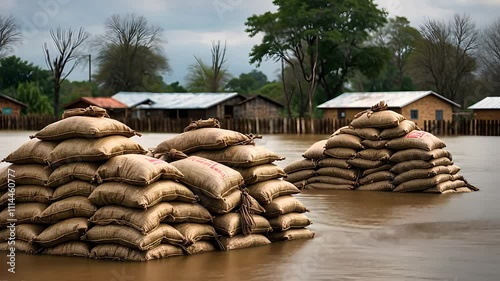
(359, 235)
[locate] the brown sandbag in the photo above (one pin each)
(288, 221)
(364, 133)
(261, 173)
(143, 197)
(375, 154)
(64, 174)
(24, 213)
(202, 139)
(291, 234)
(339, 131)
(30, 174)
(137, 170)
(422, 184)
(142, 220)
(28, 193)
(365, 164)
(331, 180)
(443, 161)
(380, 119)
(303, 175)
(92, 150)
(447, 185)
(420, 174)
(240, 241)
(122, 253)
(341, 153)
(84, 127)
(265, 192)
(348, 174)
(453, 169)
(334, 162)
(62, 232)
(461, 190)
(188, 212)
(344, 140)
(231, 224)
(76, 206)
(208, 177)
(316, 150)
(416, 139)
(380, 144)
(241, 156)
(402, 129)
(92, 111)
(73, 188)
(132, 238)
(376, 186)
(411, 165)
(328, 186)
(24, 232)
(377, 177)
(457, 177)
(229, 202)
(32, 152)
(284, 205)
(199, 247)
(299, 165)
(419, 154)
(20, 246)
(194, 232)
(69, 249)
(385, 167)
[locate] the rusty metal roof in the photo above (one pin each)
(105, 102)
(368, 99)
(487, 103)
(145, 100)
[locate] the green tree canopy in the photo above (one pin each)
(15, 71)
(31, 94)
(247, 82)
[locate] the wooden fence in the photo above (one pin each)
(266, 126)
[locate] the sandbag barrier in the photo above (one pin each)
(379, 151)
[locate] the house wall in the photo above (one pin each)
(257, 108)
(487, 114)
(5, 103)
(218, 110)
(427, 107)
(349, 112)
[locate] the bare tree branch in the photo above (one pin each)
(9, 34)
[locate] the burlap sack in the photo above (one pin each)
(339, 131)
(327, 186)
(299, 165)
(402, 129)
(28, 193)
(422, 184)
(199, 247)
(338, 173)
(380, 144)
(453, 169)
(300, 176)
(300, 184)
(375, 154)
(381, 119)
(142, 220)
(377, 177)
(24, 213)
(291, 234)
(443, 161)
(376, 186)
(457, 177)
(208, 177)
(461, 190)
(331, 180)
(188, 212)
(240, 241)
(63, 231)
(30, 174)
(365, 164)
(228, 203)
(69, 249)
(284, 205)
(364, 133)
(241, 156)
(411, 165)
(202, 139)
(316, 150)
(20, 246)
(194, 232)
(261, 173)
(32, 152)
(92, 150)
(137, 170)
(333, 162)
(416, 139)
(64, 174)
(385, 167)
(447, 185)
(418, 154)
(415, 174)
(341, 153)
(265, 192)
(122, 253)
(72, 207)
(92, 111)
(288, 221)
(230, 224)
(83, 127)
(73, 188)
(132, 238)
(24, 232)
(344, 140)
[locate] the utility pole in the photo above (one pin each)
(90, 68)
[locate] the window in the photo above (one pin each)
(413, 114)
(439, 115)
(7, 111)
(228, 111)
(341, 114)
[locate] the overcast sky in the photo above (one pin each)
(191, 25)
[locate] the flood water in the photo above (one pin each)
(359, 235)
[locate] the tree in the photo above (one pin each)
(247, 82)
(72, 90)
(176, 87)
(31, 94)
(490, 57)
(130, 55)
(67, 44)
(209, 78)
(9, 34)
(15, 71)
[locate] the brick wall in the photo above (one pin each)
(487, 114)
(16, 108)
(427, 107)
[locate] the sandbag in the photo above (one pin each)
(418, 154)
(377, 177)
(402, 129)
(422, 184)
(92, 111)
(447, 185)
(137, 170)
(461, 190)
(341, 153)
(284, 205)
(328, 186)
(199, 247)
(73, 188)
(202, 139)
(364, 133)
(288, 221)
(331, 180)
(333, 162)
(19, 246)
(261, 173)
(142, 220)
(231, 224)
(28, 193)
(300, 176)
(344, 140)
(24, 232)
(64, 174)
(411, 165)
(92, 150)
(143, 197)
(208, 177)
(69, 249)
(316, 150)
(229, 202)
(420, 174)
(194, 232)
(265, 192)
(365, 164)
(32, 152)
(375, 154)
(385, 167)
(376, 186)
(30, 174)
(241, 156)
(416, 139)
(24, 213)
(299, 165)
(339, 131)
(453, 169)
(63, 231)
(72, 207)
(348, 174)
(457, 177)
(240, 241)
(380, 119)
(132, 238)
(291, 234)
(188, 212)
(380, 144)
(443, 161)
(122, 253)
(83, 127)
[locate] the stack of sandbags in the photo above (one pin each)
(300, 171)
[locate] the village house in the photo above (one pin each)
(487, 109)
(10, 106)
(115, 108)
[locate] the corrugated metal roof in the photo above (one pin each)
(147, 100)
(368, 99)
(104, 102)
(487, 103)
